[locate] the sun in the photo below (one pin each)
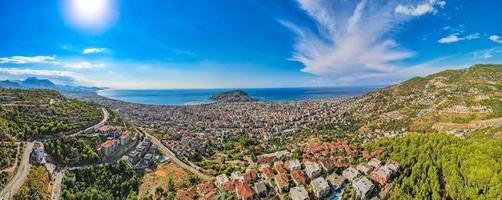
(89, 14)
(90, 9)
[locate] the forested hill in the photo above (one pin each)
(28, 113)
(450, 101)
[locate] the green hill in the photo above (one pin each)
(453, 100)
(28, 113)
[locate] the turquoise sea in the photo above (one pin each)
(200, 96)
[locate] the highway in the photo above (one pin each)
(22, 172)
(173, 157)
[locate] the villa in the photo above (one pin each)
(363, 187)
(320, 187)
(299, 193)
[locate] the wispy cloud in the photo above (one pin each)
(420, 9)
(352, 42)
(93, 50)
(21, 60)
(496, 38)
(83, 65)
(28, 59)
(452, 38)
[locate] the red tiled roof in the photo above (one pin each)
(265, 159)
(298, 176)
(204, 188)
(210, 195)
(249, 176)
(280, 168)
(244, 191)
(108, 143)
(267, 171)
(230, 185)
(185, 194)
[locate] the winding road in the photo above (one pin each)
(22, 172)
(173, 157)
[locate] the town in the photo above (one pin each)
(322, 172)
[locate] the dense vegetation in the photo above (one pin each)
(73, 150)
(8, 153)
(31, 113)
(440, 166)
(36, 185)
(4, 177)
(116, 181)
(439, 102)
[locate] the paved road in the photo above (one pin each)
(21, 174)
(173, 157)
(59, 173)
(85, 132)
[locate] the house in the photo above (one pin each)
(313, 170)
(108, 131)
(37, 153)
(375, 163)
(250, 175)
(125, 138)
(210, 195)
(267, 172)
(147, 160)
(236, 176)
(393, 165)
(244, 192)
(328, 165)
(298, 177)
(154, 149)
(336, 181)
(362, 187)
(141, 150)
(205, 188)
(281, 183)
(382, 175)
(261, 189)
(133, 157)
(265, 159)
(365, 169)
(299, 193)
(294, 164)
(280, 168)
(188, 194)
(230, 186)
(350, 173)
(221, 180)
(108, 147)
(320, 187)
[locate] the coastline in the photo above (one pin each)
(192, 97)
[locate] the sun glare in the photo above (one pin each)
(89, 14)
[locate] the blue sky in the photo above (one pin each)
(245, 43)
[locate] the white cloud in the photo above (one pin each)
(93, 50)
(350, 42)
(83, 65)
(454, 38)
(420, 9)
(50, 60)
(496, 38)
(28, 60)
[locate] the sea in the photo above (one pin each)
(179, 97)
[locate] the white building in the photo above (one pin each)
(313, 170)
(320, 187)
(299, 193)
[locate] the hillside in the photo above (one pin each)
(454, 101)
(28, 113)
(232, 96)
